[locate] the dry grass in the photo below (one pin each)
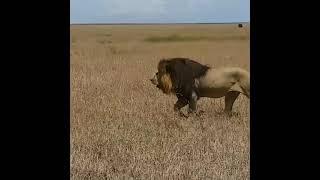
(122, 127)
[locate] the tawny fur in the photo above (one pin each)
(219, 81)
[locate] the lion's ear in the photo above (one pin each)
(166, 83)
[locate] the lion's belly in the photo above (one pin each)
(213, 92)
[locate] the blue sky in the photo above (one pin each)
(159, 11)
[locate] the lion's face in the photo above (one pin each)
(154, 79)
(162, 82)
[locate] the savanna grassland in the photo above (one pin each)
(122, 127)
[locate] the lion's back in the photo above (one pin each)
(187, 66)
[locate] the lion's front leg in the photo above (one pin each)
(182, 102)
(192, 101)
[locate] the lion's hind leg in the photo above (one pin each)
(243, 88)
(246, 93)
(244, 83)
(230, 97)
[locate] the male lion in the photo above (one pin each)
(190, 80)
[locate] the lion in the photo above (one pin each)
(190, 80)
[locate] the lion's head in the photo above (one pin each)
(162, 79)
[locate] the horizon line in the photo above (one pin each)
(244, 22)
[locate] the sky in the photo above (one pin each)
(159, 11)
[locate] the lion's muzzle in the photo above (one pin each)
(154, 80)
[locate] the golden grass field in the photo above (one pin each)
(122, 127)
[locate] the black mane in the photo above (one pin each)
(183, 72)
